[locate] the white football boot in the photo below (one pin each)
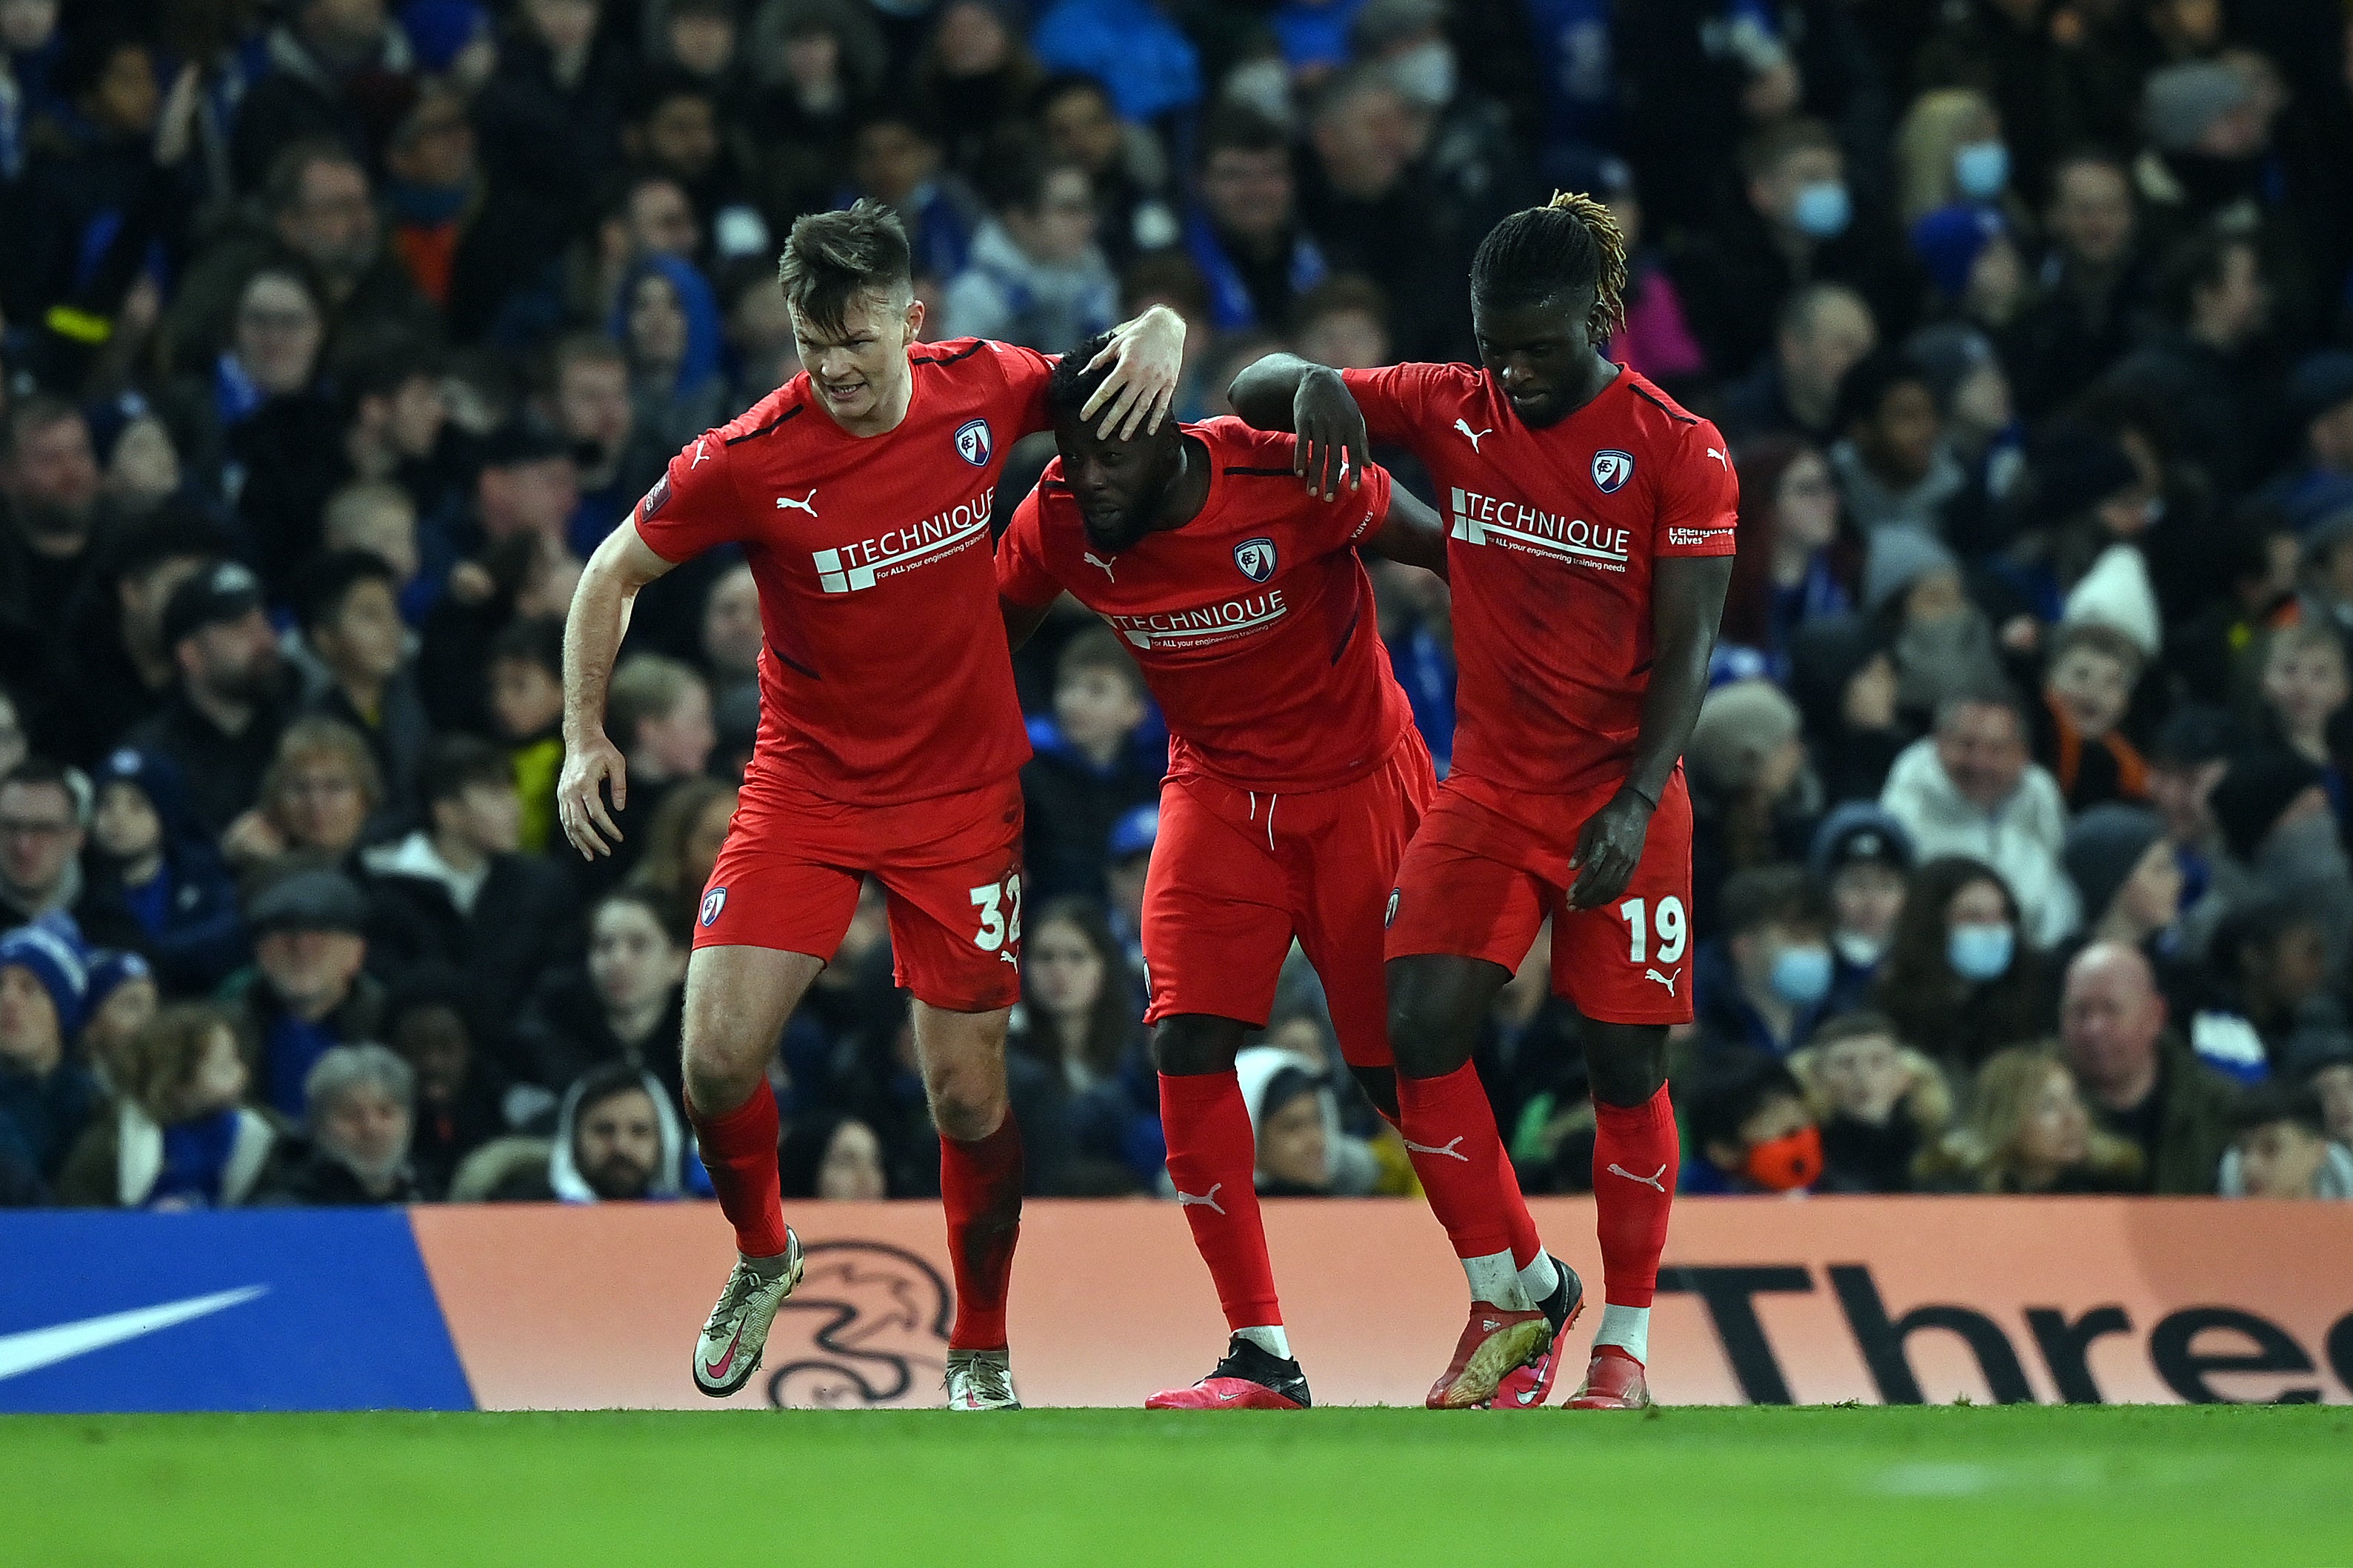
(737, 1329)
(981, 1380)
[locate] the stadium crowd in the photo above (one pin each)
(336, 333)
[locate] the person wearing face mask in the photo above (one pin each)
(1957, 981)
(1761, 985)
(1796, 225)
(1752, 1130)
(1949, 150)
(1862, 858)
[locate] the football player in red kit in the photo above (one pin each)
(890, 743)
(1295, 779)
(1590, 540)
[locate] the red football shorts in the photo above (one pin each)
(788, 875)
(1490, 864)
(1236, 874)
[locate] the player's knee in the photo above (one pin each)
(1421, 1035)
(966, 1109)
(720, 1073)
(1191, 1045)
(1625, 1063)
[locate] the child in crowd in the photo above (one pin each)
(1752, 1130)
(2284, 1150)
(1862, 857)
(172, 880)
(179, 1135)
(526, 702)
(2304, 689)
(1092, 764)
(1880, 1103)
(2087, 688)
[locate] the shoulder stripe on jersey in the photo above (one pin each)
(1669, 409)
(793, 663)
(1265, 473)
(947, 358)
(771, 425)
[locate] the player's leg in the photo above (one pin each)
(1214, 947)
(955, 904)
(1625, 968)
(763, 920)
(1458, 921)
(1212, 1161)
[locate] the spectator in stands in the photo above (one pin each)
(1123, 165)
(52, 510)
(2281, 836)
(681, 845)
(2142, 1081)
(220, 729)
(1862, 859)
(1035, 276)
(42, 830)
(1820, 333)
(895, 158)
(618, 458)
(1128, 862)
(458, 1092)
(177, 1134)
(1372, 217)
(317, 799)
(1082, 1020)
(351, 625)
(617, 1140)
(306, 993)
(1879, 1103)
(2087, 689)
(2282, 1151)
(379, 518)
(122, 998)
(2028, 1132)
(461, 893)
(2326, 1067)
(115, 670)
(1938, 640)
(733, 634)
(1754, 798)
(832, 1157)
(1961, 979)
(1751, 1131)
(1343, 322)
(1969, 789)
(1302, 1153)
(46, 1095)
(2088, 282)
(977, 75)
(275, 339)
(2128, 873)
(1152, 67)
(361, 1114)
(1092, 764)
(164, 872)
(627, 1008)
(1761, 985)
(1245, 234)
(2319, 482)
(659, 713)
(2214, 300)
(815, 64)
(667, 321)
(526, 709)
(2268, 963)
(1892, 465)
(1794, 565)
(2305, 688)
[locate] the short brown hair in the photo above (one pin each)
(1098, 647)
(321, 737)
(647, 686)
(2094, 637)
(832, 257)
(153, 1067)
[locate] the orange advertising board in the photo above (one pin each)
(1762, 1300)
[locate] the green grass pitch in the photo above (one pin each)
(1743, 1488)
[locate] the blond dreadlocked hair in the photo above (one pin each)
(1540, 253)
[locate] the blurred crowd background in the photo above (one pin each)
(337, 332)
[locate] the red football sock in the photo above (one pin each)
(1213, 1160)
(1450, 1132)
(1635, 1155)
(980, 1186)
(739, 1149)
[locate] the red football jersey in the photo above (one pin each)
(1253, 623)
(883, 674)
(1550, 537)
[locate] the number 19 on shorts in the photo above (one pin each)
(1663, 920)
(1000, 915)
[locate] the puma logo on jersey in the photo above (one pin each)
(1091, 558)
(1208, 1200)
(808, 504)
(1652, 1180)
(1666, 980)
(701, 456)
(1475, 436)
(1452, 1151)
(1719, 456)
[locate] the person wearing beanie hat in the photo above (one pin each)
(2124, 869)
(122, 997)
(46, 1096)
(1972, 393)
(306, 993)
(152, 863)
(1752, 797)
(1899, 559)
(1971, 260)
(1861, 859)
(1942, 643)
(2320, 410)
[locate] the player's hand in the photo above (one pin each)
(1331, 429)
(1146, 357)
(580, 795)
(1609, 850)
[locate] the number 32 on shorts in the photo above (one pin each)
(1665, 921)
(1000, 915)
